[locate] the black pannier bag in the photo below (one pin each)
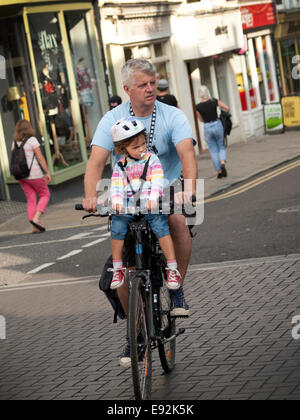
(18, 163)
(112, 295)
(106, 278)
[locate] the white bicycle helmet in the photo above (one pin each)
(126, 128)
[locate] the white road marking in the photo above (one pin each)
(40, 268)
(70, 254)
(98, 241)
(47, 283)
(79, 236)
(72, 238)
(100, 228)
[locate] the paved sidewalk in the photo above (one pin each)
(238, 342)
(245, 160)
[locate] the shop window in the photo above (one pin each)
(252, 90)
(87, 79)
(205, 75)
(156, 53)
(16, 88)
(262, 91)
(57, 101)
(222, 82)
(128, 54)
(158, 50)
(288, 52)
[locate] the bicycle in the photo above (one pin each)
(150, 324)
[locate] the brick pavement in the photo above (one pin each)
(61, 343)
(10, 209)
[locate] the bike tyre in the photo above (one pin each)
(167, 351)
(141, 369)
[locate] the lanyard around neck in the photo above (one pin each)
(151, 147)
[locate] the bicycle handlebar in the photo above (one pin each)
(108, 211)
(79, 207)
(163, 209)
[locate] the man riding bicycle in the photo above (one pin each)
(170, 137)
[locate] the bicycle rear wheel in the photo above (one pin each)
(140, 341)
(167, 351)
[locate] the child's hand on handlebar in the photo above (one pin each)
(151, 205)
(117, 207)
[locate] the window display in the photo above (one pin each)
(54, 88)
(79, 25)
(17, 99)
(288, 51)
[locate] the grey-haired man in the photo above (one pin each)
(171, 138)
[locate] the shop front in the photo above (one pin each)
(206, 58)
(142, 34)
(255, 66)
(54, 78)
(287, 35)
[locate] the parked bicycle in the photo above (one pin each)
(150, 325)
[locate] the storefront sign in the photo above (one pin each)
(273, 118)
(137, 30)
(291, 111)
(223, 32)
(258, 15)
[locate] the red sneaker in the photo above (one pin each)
(173, 277)
(118, 278)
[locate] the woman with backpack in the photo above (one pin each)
(213, 129)
(29, 174)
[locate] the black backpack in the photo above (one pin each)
(18, 163)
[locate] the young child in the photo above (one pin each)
(129, 137)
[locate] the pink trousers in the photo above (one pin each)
(32, 188)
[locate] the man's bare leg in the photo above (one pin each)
(182, 242)
(123, 292)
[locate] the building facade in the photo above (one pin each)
(51, 73)
(256, 64)
(190, 43)
(287, 36)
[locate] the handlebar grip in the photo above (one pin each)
(79, 207)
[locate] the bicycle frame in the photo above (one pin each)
(137, 227)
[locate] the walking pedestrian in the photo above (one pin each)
(213, 129)
(114, 101)
(35, 184)
(163, 93)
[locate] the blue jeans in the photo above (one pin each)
(158, 222)
(214, 136)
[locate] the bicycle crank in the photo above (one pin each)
(167, 340)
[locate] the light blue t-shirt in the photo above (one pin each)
(171, 127)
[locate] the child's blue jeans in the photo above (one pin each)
(158, 222)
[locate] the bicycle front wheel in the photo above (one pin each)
(140, 340)
(166, 349)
